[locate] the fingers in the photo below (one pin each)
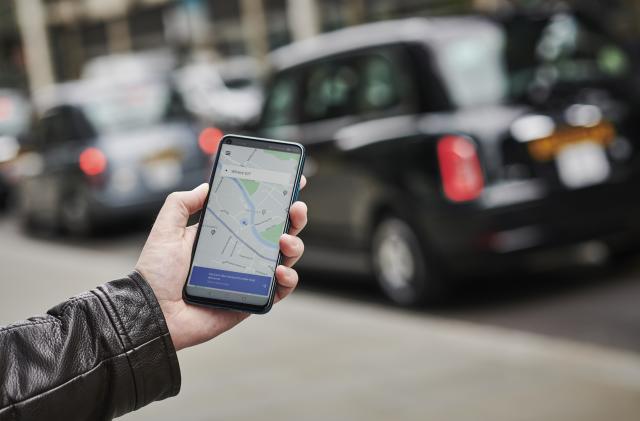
(180, 205)
(287, 281)
(303, 182)
(298, 217)
(291, 248)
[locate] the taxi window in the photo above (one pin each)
(380, 88)
(280, 106)
(565, 51)
(118, 108)
(330, 90)
(365, 84)
(472, 69)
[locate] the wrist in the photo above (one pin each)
(168, 309)
(171, 317)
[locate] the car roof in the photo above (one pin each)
(139, 64)
(423, 30)
(76, 92)
(54, 95)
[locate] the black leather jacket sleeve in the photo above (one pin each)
(96, 356)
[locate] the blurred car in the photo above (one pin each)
(105, 151)
(130, 66)
(225, 94)
(15, 113)
(424, 167)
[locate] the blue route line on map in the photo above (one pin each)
(253, 215)
(271, 259)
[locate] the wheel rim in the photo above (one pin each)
(395, 259)
(397, 262)
(74, 213)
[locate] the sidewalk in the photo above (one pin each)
(320, 359)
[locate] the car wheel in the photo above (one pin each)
(75, 215)
(29, 223)
(400, 266)
(28, 220)
(4, 201)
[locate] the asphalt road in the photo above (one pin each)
(562, 345)
(592, 304)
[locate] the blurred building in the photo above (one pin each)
(59, 36)
(11, 60)
(75, 31)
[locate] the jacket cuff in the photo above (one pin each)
(141, 326)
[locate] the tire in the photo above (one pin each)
(4, 201)
(75, 216)
(28, 220)
(29, 224)
(400, 265)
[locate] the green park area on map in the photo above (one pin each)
(273, 233)
(285, 156)
(250, 186)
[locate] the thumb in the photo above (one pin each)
(180, 205)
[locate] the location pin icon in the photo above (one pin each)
(284, 193)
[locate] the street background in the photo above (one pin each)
(559, 343)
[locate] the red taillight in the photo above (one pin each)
(209, 140)
(462, 178)
(92, 161)
(6, 108)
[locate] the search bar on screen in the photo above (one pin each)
(256, 174)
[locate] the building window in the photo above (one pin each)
(94, 39)
(147, 28)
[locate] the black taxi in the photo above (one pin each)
(447, 147)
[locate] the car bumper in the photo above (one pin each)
(495, 237)
(110, 203)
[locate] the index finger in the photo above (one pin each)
(298, 217)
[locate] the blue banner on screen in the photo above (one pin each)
(231, 281)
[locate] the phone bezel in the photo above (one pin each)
(233, 305)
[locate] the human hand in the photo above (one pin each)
(165, 258)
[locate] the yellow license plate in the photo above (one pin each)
(164, 155)
(547, 148)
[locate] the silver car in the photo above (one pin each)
(105, 151)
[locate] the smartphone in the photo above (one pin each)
(236, 250)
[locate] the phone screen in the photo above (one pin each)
(246, 213)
